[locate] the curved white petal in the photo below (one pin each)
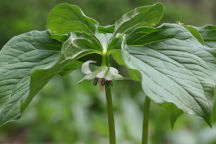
(85, 67)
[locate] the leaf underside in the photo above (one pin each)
(22, 56)
(208, 34)
(175, 68)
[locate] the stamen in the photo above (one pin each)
(107, 83)
(111, 83)
(95, 81)
(102, 81)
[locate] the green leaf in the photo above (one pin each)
(175, 68)
(213, 116)
(29, 61)
(70, 66)
(208, 33)
(134, 74)
(106, 29)
(83, 47)
(61, 38)
(194, 32)
(135, 38)
(136, 35)
(21, 59)
(109, 43)
(41, 76)
(174, 113)
(94, 56)
(117, 56)
(141, 16)
(66, 18)
(79, 45)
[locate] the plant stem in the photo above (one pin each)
(104, 60)
(110, 115)
(145, 121)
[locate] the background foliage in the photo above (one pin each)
(65, 112)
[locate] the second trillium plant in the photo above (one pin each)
(175, 63)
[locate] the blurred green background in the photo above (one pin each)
(67, 113)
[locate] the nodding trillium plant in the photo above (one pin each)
(175, 63)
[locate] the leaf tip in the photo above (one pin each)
(208, 120)
(160, 6)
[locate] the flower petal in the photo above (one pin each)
(85, 67)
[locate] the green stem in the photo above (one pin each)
(110, 115)
(145, 121)
(104, 60)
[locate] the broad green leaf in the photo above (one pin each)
(20, 61)
(94, 56)
(209, 35)
(79, 45)
(117, 56)
(213, 116)
(70, 66)
(66, 18)
(147, 38)
(29, 61)
(61, 38)
(175, 68)
(109, 43)
(173, 112)
(115, 44)
(136, 35)
(141, 16)
(41, 76)
(194, 32)
(82, 47)
(104, 41)
(134, 74)
(106, 29)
